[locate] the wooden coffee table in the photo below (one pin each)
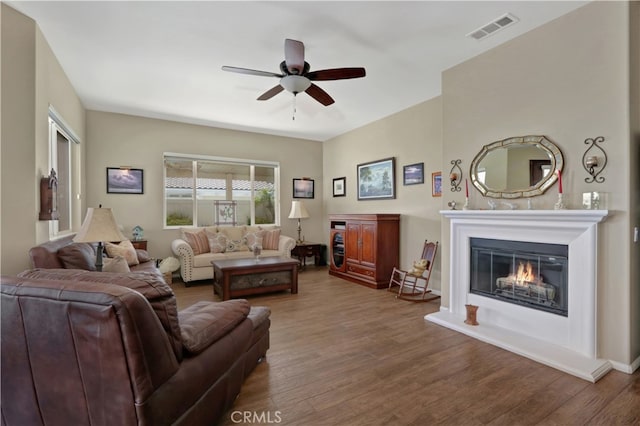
(243, 277)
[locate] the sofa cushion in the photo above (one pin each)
(217, 242)
(78, 256)
(197, 239)
(235, 238)
(205, 322)
(115, 264)
(150, 284)
(124, 249)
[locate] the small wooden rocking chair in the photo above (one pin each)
(414, 287)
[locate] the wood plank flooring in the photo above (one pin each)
(344, 354)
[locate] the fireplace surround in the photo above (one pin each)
(564, 340)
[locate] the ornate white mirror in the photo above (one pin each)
(516, 167)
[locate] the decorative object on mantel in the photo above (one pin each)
(455, 176)
(535, 158)
(591, 162)
(560, 203)
(452, 204)
(594, 200)
(49, 197)
(472, 311)
(466, 195)
(492, 204)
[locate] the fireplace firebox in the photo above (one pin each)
(534, 275)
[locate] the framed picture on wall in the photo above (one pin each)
(436, 184)
(339, 187)
(124, 180)
(303, 188)
(413, 174)
(376, 180)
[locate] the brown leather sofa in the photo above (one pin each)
(84, 347)
(64, 253)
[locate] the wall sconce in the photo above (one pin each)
(455, 175)
(592, 163)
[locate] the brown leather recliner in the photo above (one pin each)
(82, 347)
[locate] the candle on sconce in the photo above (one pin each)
(453, 176)
(592, 161)
(559, 182)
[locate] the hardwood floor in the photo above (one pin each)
(344, 354)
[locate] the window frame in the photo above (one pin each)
(57, 125)
(223, 160)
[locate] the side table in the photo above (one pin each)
(139, 244)
(305, 249)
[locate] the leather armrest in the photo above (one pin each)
(203, 323)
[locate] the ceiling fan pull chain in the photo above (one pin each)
(293, 117)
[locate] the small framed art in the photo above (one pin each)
(413, 174)
(436, 184)
(339, 187)
(124, 180)
(303, 188)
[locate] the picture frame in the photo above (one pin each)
(376, 179)
(303, 188)
(413, 174)
(436, 184)
(340, 187)
(125, 180)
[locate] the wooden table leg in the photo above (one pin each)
(294, 279)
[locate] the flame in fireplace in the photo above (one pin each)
(525, 275)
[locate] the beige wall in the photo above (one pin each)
(634, 159)
(411, 136)
(569, 81)
(32, 79)
(123, 140)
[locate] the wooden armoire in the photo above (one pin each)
(364, 248)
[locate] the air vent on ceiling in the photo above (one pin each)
(493, 26)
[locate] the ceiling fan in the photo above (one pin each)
(296, 77)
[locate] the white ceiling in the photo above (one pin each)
(163, 59)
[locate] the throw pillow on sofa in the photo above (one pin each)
(124, 249)
(197, 239)
(78, 256)
(115, 264)
(254, 238)
(217, 242)
(271, 239)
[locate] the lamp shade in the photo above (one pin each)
(99, 225)
(298, 210)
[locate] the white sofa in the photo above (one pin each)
(194, 267)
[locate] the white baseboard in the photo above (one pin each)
(626, 368)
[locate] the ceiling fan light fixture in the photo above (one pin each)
(295, 83)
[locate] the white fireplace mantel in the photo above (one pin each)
(567, 343)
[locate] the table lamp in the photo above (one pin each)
(99, 225)
(298, 211)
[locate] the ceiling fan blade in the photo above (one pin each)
(319, 95)
(336, 74)
(251, 72)
(271, 93)
(294, 56)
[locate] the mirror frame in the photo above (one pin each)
(541, 142)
